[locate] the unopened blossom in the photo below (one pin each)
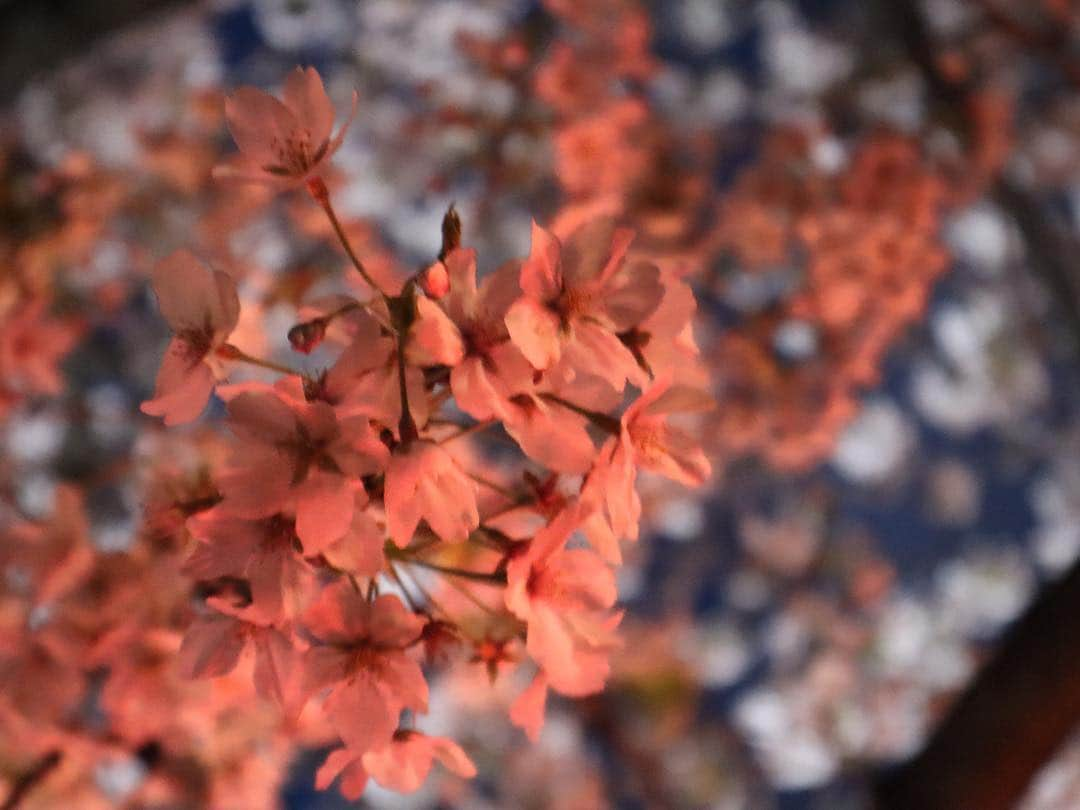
(403, 765)
(360, 652)
(423, 481)
(577, 298)
(290, 455)
(287, 141)
(202, 309)
(565, 597)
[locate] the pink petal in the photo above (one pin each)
(403, 508)
(256, 481)
(211, 647)
(552, 436)
(193, 297)
(391, 624)
(360, 712)
(261, 416)
(404, 679)
(183, 388)
(536, 331)
(260, 125)
(460, 301)
(596, 351)
(594, 251)
(541, 278)
(306, 97)
(527, 712)
(433, 339)
(498, 290)
(345, 763)
(453, 758)
(324, 510)
(340, 615)
(323, 667)
(401, 766)
(475, 391)
(360, 550)
(632, 295)
(274, 663)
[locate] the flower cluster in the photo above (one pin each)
(351, 501)
(867, 240)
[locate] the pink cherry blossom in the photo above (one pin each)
(578, 297)
(479, 380)
(657, 445)
(564, 596)
(423, 481)
(214, 643)
(403, 765)
(360, 653)
(648, 441)
(365, 380)
(202, 309)
(264, 552)
(290, 455)
(283, 142)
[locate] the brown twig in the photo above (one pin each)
(25, 783)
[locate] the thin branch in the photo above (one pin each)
(29, 780)
(230, 352)
(319, 193)
(488, 578)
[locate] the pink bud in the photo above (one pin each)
(435, 281)
(304, 337)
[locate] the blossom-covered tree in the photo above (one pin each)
(439, 361)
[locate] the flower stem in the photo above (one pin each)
(608, 424)
(230, 352)
(490, 578)
(319, 193)
(406, 424)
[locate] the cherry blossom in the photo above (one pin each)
(283, 142)
(577, 297)
(263, 552)
(403, 765)
(361, 655)
(298, 456)
(202, 308)
(423, 481)
(565, 595)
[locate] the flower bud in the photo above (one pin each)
(451, 233)
(305, 336)
(435, 281)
